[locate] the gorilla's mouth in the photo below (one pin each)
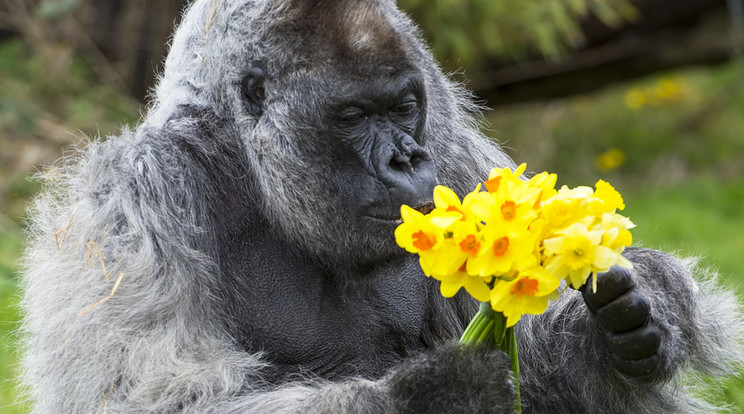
(425, 208)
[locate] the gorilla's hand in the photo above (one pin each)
(624, 312)
(454, 379)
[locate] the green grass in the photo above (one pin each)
(703, 217)
(10, 249)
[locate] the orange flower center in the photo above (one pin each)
(508, 210)
(453, 208)
(422, 241)
(538, 200)
(492, 185)
(470, 245)
(500, 246)
(525, 286)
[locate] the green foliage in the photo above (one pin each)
(51, 84)
(48, 100)
(462, 31)
(56, 8)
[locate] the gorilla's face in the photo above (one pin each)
(338, 143)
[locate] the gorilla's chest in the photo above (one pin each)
(306, 320)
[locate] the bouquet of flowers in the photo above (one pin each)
(512, 246)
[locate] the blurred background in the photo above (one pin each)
(646, 94)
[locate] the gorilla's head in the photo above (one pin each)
(333, 102)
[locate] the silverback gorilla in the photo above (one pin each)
(234, 253)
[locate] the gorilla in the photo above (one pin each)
(234, 252)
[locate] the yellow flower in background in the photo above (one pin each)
(635, 99)
(609, 160)
(663, 92)
(667, 91)
(527, 293)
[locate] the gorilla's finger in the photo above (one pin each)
(637, 344)
(610, 285)
(628, 312)
(641, 369)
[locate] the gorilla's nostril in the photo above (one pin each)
(401, 162)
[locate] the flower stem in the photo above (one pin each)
(489, 327)
(511, 348)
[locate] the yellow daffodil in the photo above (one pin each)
(427, 235)
(606, 199)
(449, 256)
(546, 183)
(503, 246)
(499, 175)
(576, 252)
(446, 199)
(417, 234)
(616, 230)
(513, 200)
(476, 286)
(568, 206)
(616, 235)
(527, 293)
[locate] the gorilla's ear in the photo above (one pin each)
(253, 91)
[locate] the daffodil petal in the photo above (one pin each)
(444, 197)
(449, 288)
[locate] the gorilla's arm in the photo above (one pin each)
(579, 358)
(446, 380)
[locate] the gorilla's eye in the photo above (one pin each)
(351, 114)
(406, 107)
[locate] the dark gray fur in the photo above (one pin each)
(161, 203)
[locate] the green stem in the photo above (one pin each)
(484, 335)
(474, 328)
(511, 338)
(488, 326)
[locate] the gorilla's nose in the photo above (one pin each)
(410, 176)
